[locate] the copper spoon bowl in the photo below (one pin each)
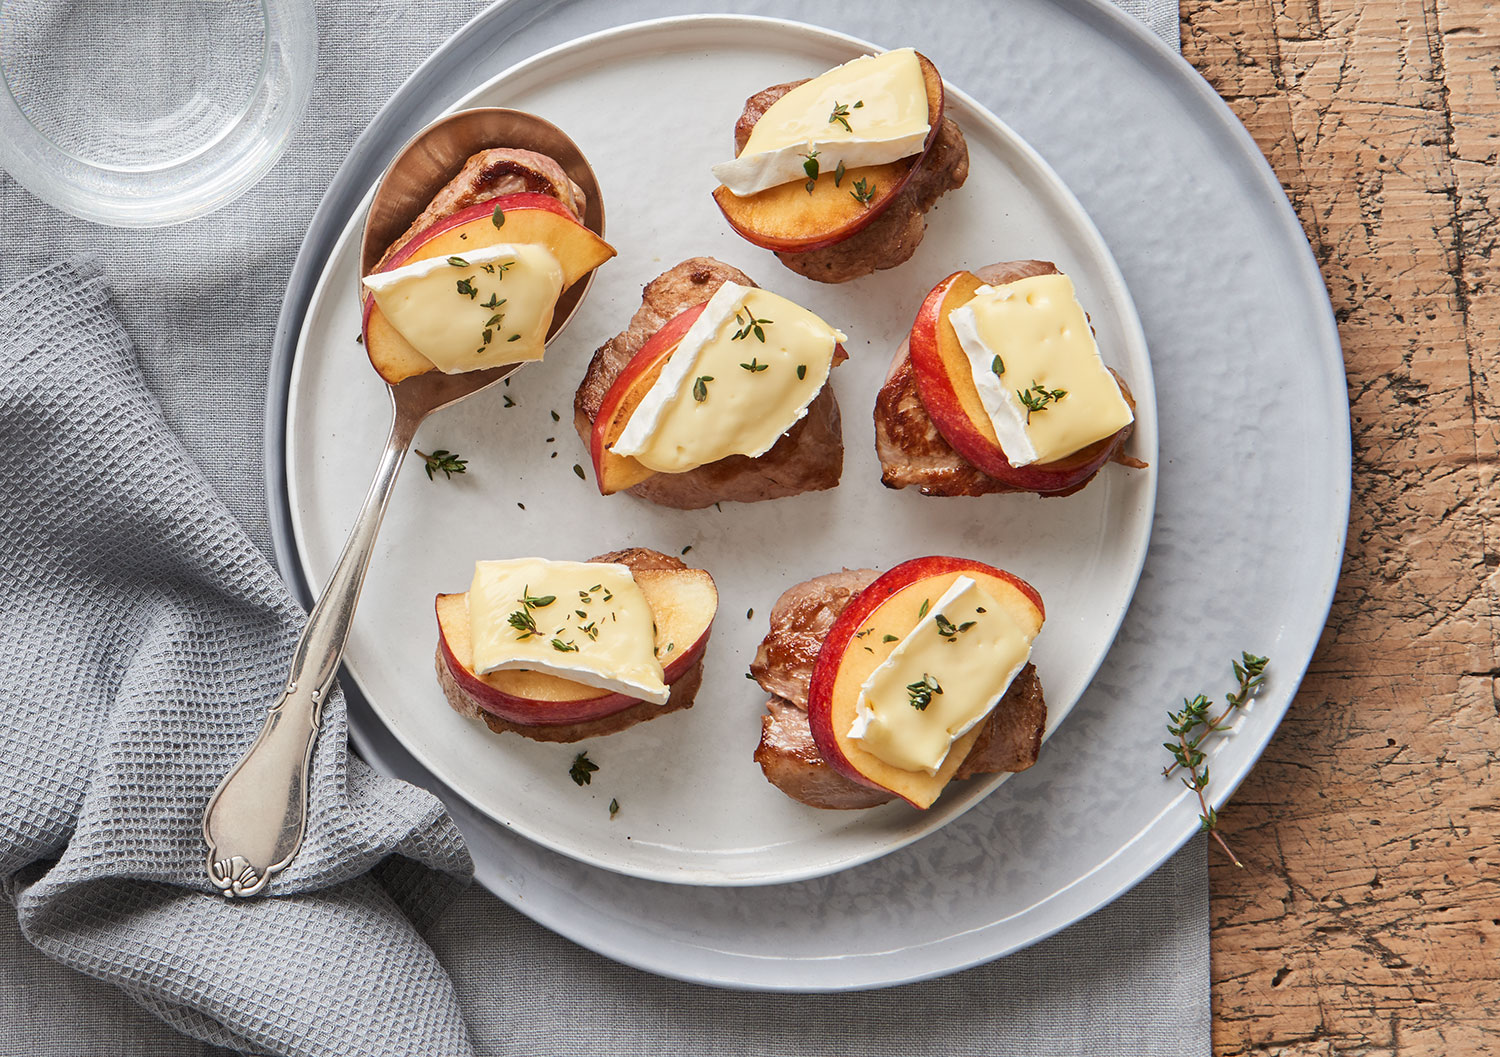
(255, 821)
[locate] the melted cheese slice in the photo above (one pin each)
(1036, 330)
(592, 624)
(961, 673)
(752, 390)
(882, 97)
(490, 307)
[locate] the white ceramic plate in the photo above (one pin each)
(694, 807)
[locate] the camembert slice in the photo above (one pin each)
(490, 307)
(869, 111)
(1038, 370)
(584, 621)
(743, 374)
(944, 676)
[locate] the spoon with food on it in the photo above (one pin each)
(480, 244)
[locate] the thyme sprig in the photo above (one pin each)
(863, 193)
(921, 692)
(1038, 397)
(582, 771)
(948, 630)
(810, 166)
(755, 366)
(700, 387)
(840, 115)
(751, 325)
(442, 461)
(1192, 724)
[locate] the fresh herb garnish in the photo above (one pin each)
(801, 371)
(840, 113)
(458, 262)
(700, 387)
(1192, 724)
(948, 630)
(1038, 398)
(531, 601)
(810, 166)
(513, 337)
(863, 193)
(442, 461)
(887, 638)
(838, 174)
(579, 471)
(750, 326)
(921, 692)
(510, 401)
(466, 286)
(564, 647)
(556, 417)
(524, 622)
(997, 365)
(754, 367)
(582, 771)
(926, 602)
(495, 301)
(498, 217)
(614, 808)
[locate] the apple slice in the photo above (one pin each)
(683, 603)
(881, 615)
(946, 384)
(788, 218)
(527, 218)
(615, 473)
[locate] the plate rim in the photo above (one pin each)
(699, 28)
(980, 945)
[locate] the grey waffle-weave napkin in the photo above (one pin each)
(143, 634)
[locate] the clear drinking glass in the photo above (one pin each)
(142, 113)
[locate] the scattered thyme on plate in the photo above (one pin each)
(582, 771)
(1192, 724)
(442, 461)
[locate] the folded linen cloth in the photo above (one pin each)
(144, 636)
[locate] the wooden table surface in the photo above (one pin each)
(1367, 917)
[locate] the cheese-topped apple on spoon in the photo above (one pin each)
(835, 173)
(475, 281)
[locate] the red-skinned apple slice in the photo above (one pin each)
(946, 384)
(683, 603)
(528, 218)
(788, 218)
(892, 606)
(615, 473)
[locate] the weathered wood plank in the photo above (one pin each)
(1367, 920)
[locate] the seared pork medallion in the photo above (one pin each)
(560, 651)
(886, 687)
(835, 173)
(716, 391)
(473, 282)
(1000, 387)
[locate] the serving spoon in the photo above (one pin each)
(255, 821)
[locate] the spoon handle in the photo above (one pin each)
(255, 820)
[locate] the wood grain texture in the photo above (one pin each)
(1367, 919)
